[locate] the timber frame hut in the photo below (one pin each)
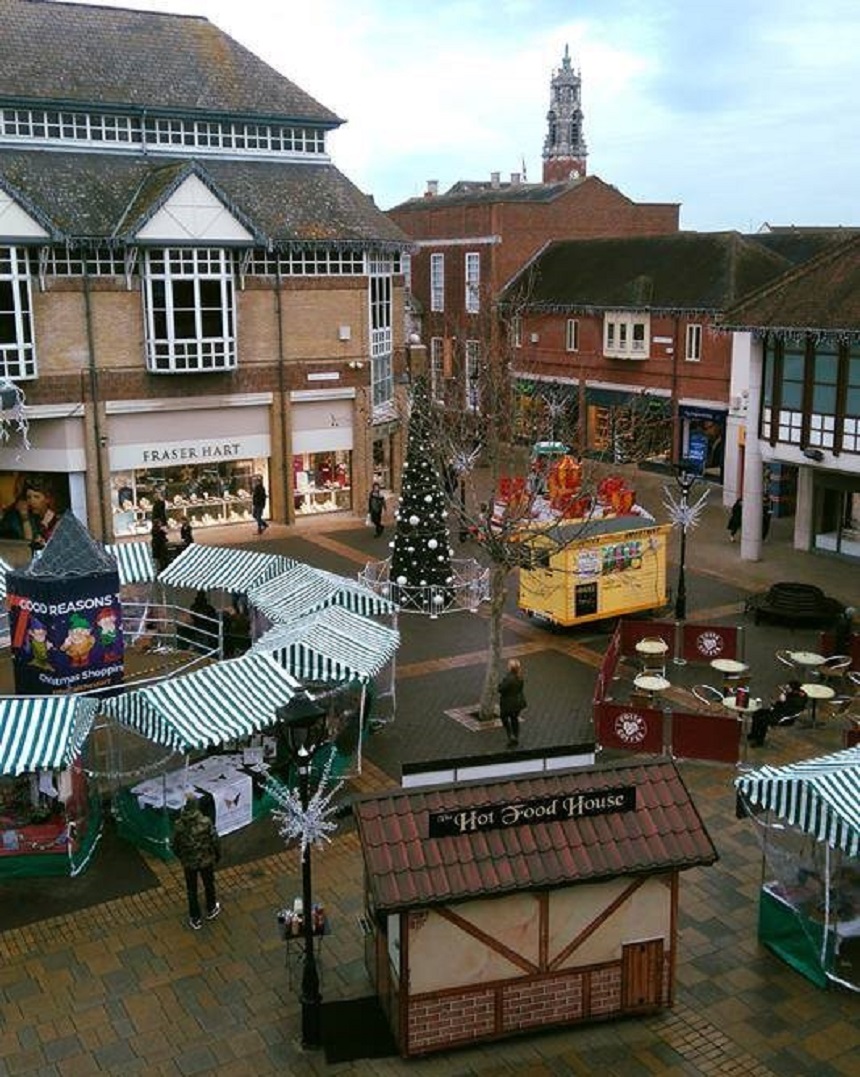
(502, 907)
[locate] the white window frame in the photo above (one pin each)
(380, 302)
(209, 271)
(437, 368)
(437, 283)
(472, 374)
(17, 354)
(472, 272)
(517, 331)
(571, 335)
(693, 347)
(626, 335)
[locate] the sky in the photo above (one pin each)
(742, 111)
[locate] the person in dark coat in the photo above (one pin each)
(160, 551)
(259, 497)
(159, 509)
(186, 534)
(196, 844)
(376, 507)
(790, 702)
(735, 517)
(512, 701)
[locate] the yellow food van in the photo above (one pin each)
(607, 567)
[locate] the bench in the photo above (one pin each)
(792, 603)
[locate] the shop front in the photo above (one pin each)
(39, 484)
(837, 516)
(204, 477)
(322, 447)
(622, 425)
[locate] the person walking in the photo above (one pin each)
(259, 497)
(512, 700)
(197, 846)
(186, 533)
(376, 507)
(735, 518)
(160, 545)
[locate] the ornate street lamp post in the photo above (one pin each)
(686, 475)
(305, 723)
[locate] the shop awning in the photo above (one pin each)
(42, 732)
(333, 644)
(302, 590)
(228, 568)
(820, 796)
(134, 561)
(209, 706)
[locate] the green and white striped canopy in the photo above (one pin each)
(302, 590)
(42, 732)
(820, 796)
(205, 708)
(229, 568)
(332, 644)
(134, 561)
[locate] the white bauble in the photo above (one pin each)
(401, 580)
(428, 498)
(432, 544)
(414, 521)
(438, 600)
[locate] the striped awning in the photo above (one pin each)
(820, 796)
(229, 568)
(4, 568)
(332, 644)
(302, 590)
(209, 706)
(134, 561)
(42, 732)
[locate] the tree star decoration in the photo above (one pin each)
(311, 827)
(681, 514)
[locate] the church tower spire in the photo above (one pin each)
(564, 152)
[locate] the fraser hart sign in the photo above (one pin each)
(555, 809)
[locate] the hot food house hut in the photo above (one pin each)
(502, 907)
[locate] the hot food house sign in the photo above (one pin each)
(556, 809)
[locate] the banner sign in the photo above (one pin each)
(555, 809)
(66, 633)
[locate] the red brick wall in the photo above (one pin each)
(435, 1023)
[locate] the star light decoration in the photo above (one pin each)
(681, 512)
(464, 462)
(311, 827)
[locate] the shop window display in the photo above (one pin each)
(207, 495)
(322, 482)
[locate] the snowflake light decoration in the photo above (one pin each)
(464, 462)
(311, 826)
(682, 513)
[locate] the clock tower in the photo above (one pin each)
(564, 151)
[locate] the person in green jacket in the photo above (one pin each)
(197, 845)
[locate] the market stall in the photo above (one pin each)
(808, 818)
(501, 907)
(334, 646)
(224, 707)
(301, 590)
(49, 822)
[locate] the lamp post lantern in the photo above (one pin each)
(686, 476)
(305, 722)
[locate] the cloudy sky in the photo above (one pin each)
(743, 111)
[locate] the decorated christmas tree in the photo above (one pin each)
(421, 574)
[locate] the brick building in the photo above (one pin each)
(619, 333)
(471, 240)
(190, 292)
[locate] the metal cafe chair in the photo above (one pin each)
(707, 694)
(853, 678)
(786, 658)
(652, 652)
(835, 667)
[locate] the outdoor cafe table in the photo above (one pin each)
(808, 660)
(815, 692)
(651, 683)
(731, 668)
(752, 705)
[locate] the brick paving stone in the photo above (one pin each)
(63, 1047)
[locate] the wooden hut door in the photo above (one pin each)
(642, 975)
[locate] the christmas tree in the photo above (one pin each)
(420, 572)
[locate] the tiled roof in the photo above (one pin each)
(406, 867)
(139, 59)
(822, 295)
(685, 271)
(800, 244)
(100, 196)
(466, 193)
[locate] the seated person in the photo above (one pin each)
(204, 622)
(783, 711)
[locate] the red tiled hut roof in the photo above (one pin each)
(406, 867)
